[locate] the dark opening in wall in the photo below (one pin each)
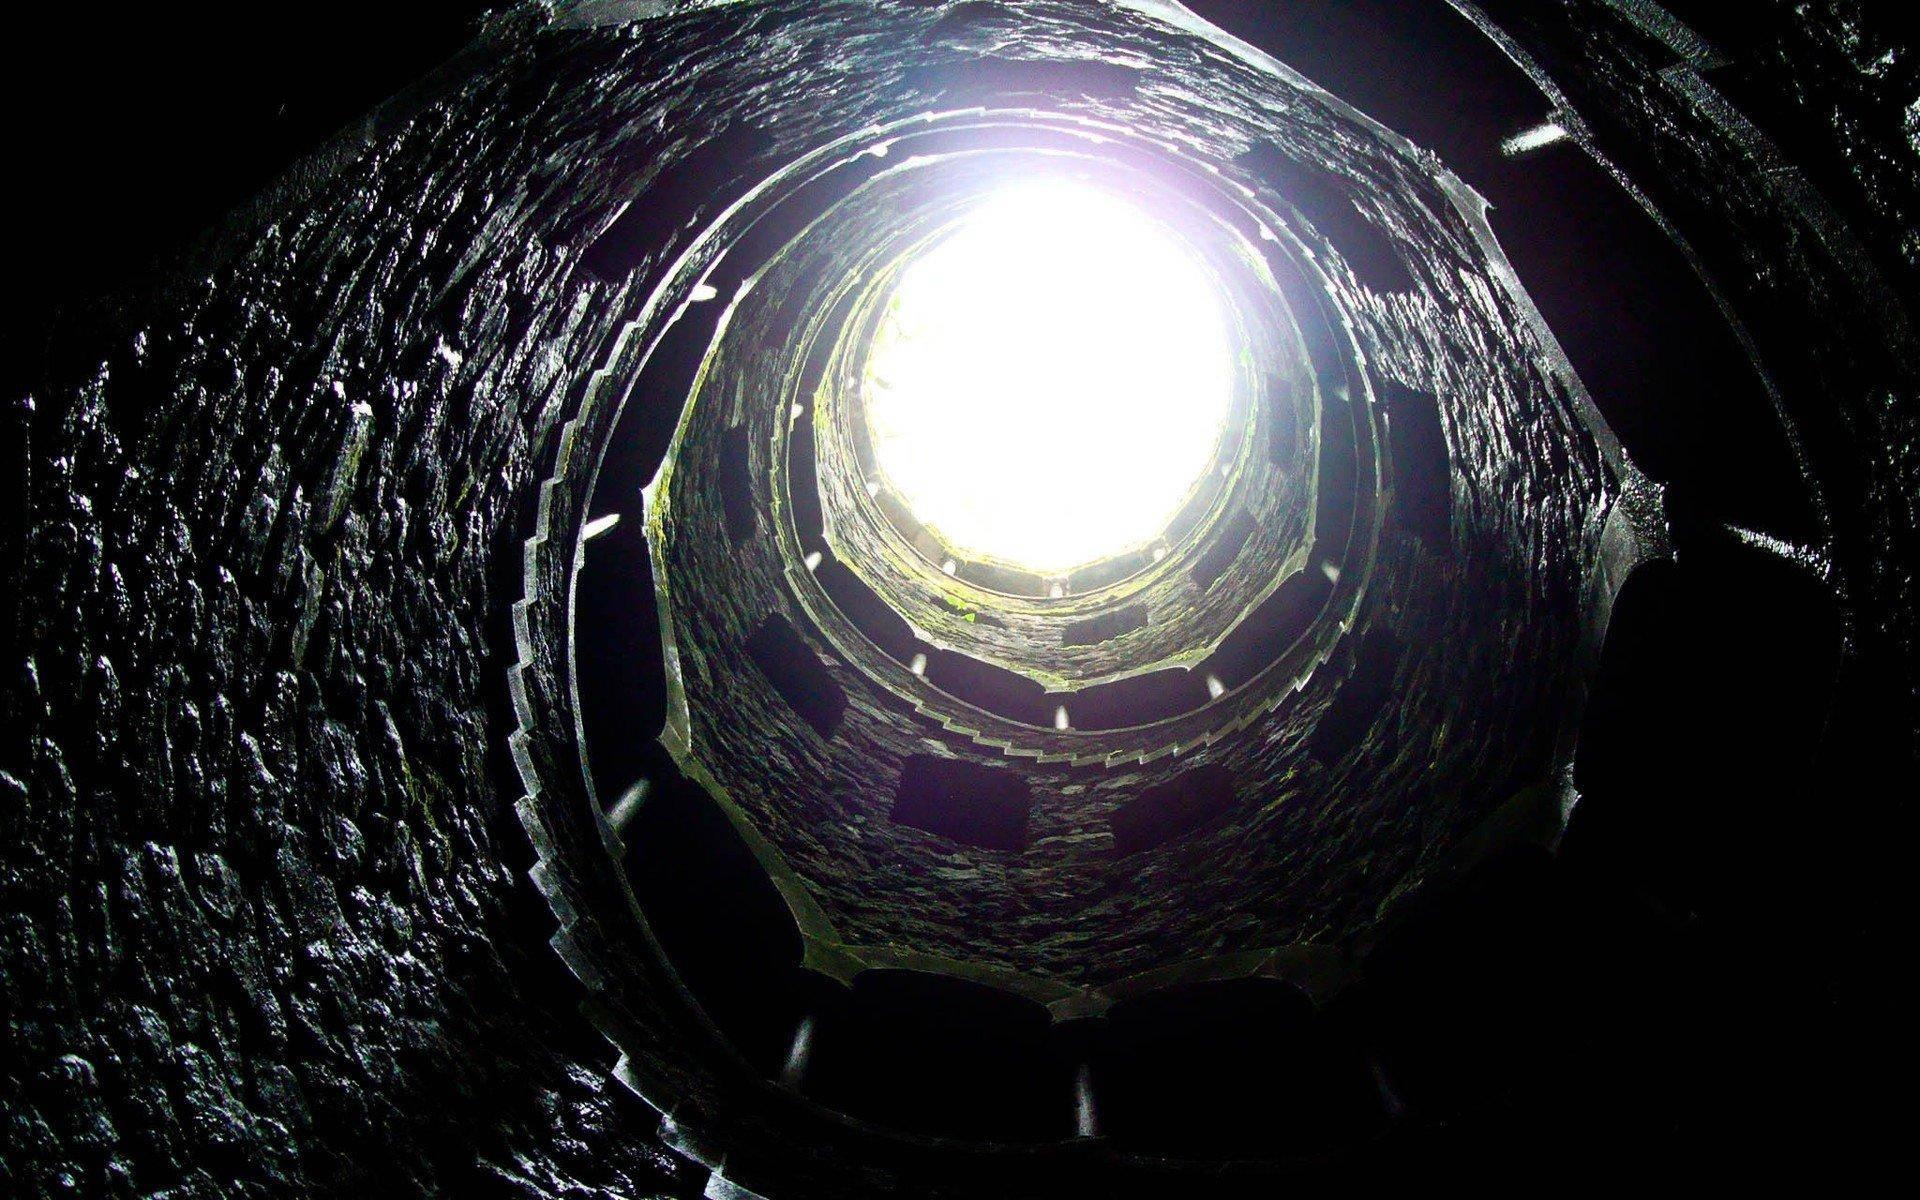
(973, 804)
(1455, 1009)
(1001, 78)
(701, 179)
(1226, 545)
(1647, 339)
(736, 484)
(1169, 810)
(622, 700)
(803, 486)
(796, 672)
(1416, 66)
(1137, 699)
(1609, 995)
(943, 1056)
(1283, 426)
(997, 578)
(1696, 752)
(653, 403)
(733, 956)
(1237, 1066)
(1266, 632)
(1104, 627)
(997, 690)
(869, 613)
(1325, 201)
(1422, 472)
(1338, 482)
(1357, 704)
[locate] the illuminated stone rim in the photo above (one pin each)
(924, 597)
(1211, 244)
(600, 952)
(722, 587)
(1163, 749)
(1006, 617)
(748, 702)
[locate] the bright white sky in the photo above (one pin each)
(1051, 379)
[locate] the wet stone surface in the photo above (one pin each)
(265, 921)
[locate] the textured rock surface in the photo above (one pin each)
(1819, 272)
(266, 928)
(1321, 838)
(260, 896)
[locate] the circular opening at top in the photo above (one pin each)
(1050, 379)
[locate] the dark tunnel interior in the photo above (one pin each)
(485, 714)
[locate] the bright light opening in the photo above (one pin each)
(1051, 380)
